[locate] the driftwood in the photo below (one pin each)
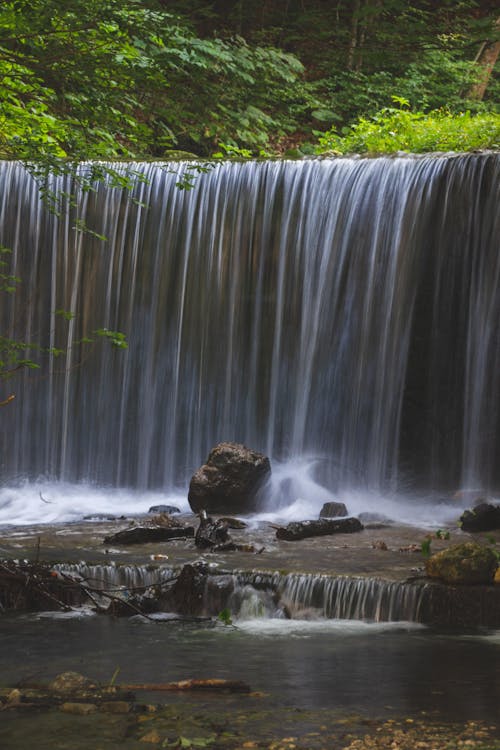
(34, 586)
(234, 686)
(25, 585)
(323, 527)
(210, 533)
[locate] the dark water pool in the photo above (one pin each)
(369, 668)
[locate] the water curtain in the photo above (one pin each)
(342, 309)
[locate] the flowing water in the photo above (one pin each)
(339, 315)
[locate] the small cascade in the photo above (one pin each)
(257, 595)
(311, 596)
(124, 577)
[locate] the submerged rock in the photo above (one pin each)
(70, 682)
(333, 510)
(78, 709)
(468, 563)
(164, 509)
(230, 480)
(482, 517)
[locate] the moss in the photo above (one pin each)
(467, 563)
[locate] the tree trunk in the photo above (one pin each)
(485, 60)
(353, 40)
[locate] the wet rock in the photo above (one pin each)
(380, 544)
(115, 707)
(460, 607)
(233, 523)
(230, 480)
(187, 593)
(164, 509)
(333, 510)
(210, 533)
(324, 527)
(483, 517)
(78, 709)
(467, 563)
(71, 682)
(14, 697)
(196, 593)
(153, 737)
(147, 534)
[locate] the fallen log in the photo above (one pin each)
(322, 527)
(235, 686)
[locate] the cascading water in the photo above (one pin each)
(345, 310)
(257, 595)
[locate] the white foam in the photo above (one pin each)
(61, 502)
(304, 628)
(294, 494)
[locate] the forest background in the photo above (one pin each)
(105, 80)
(111, 79)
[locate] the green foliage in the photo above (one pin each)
(8, 282)
(225, 616)
(101, 80)
(399, 129)
(426, 547)
(111, 79)
(440, 534)
(114, 676)
(105, 79)
(116, 338)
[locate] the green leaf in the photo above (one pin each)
(66, 314)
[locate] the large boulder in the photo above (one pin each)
(482, 517)
(468, 563)
(230, 480)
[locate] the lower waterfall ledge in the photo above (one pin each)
(374, 575)
(197, 591)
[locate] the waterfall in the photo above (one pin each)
(258, 594)
(340, 309)
(335, 597)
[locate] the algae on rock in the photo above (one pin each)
(467, 563)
